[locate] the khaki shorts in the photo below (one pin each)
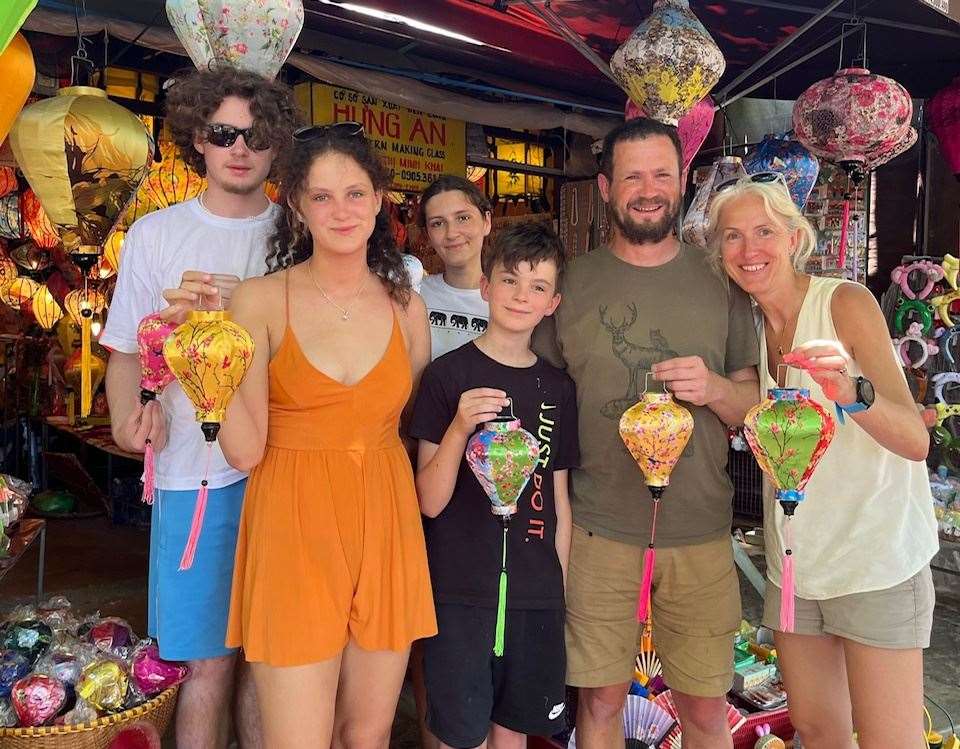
(696, 611)
(897, 618)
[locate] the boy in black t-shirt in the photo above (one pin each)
(471, 693)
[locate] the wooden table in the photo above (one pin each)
(25, 535)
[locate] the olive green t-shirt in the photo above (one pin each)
(614, 322)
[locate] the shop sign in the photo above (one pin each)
(417, 146)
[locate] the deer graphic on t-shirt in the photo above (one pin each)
(637, 359)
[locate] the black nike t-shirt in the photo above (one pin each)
(464, 541)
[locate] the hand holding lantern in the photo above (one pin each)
(155, 375)
(503, 457)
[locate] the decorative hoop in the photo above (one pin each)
(923, 309)
(927, 346)
(901, 276)
(942, 304)
(940, 381)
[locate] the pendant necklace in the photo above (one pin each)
(344, 311)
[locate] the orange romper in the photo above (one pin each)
(331, 544)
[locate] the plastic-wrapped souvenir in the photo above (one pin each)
(151, 673)
(112, 635)
(37, 699)
(13, 667)
(30, 638)
(103, 684)
(82, 712)
(8, 716)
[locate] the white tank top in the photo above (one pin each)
(867, 520)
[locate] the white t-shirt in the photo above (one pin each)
(457, 316)
(156, 251)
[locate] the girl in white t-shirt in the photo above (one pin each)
(457, 218)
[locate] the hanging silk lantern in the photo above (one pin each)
(788, 434)
(171, 180)
(102, 270)
(888, 153)
(943, 114)
(45, 308)
(669, 62)
(36, 222)
(10, 217)
(8, 180)
(255, 35)
(19, 291)
(693, 128)
(655, 430)
(155, 375)
(209, 355)
(781, 154)
(697, 219)
(85, 157)
(12, 15)
(17, 71)
(113, 248)
(503, 456)
(82, 305)
(852, 117)
(8, 272)
(31, 258)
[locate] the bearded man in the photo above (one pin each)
(648, 304)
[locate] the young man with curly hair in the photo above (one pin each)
(229, 126)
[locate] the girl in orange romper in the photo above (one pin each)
(331, 583)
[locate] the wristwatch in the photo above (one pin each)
(865, 398)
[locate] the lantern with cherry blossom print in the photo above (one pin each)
(855, 118)
(943, 114)
(255, 35)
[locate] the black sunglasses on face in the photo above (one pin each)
(349, 129)
(224, 136)
(761, 177)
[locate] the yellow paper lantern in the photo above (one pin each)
(113, 248)
(85, 157)
(82, 305)
(8, 272)
(17, 72)
(19, 291)
(45, 308)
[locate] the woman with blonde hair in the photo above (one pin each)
(866, 531)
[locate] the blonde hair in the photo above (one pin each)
(779, 207)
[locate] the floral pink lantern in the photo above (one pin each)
(943, 114)
(855, 118)
(693, 128)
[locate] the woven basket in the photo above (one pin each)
(95, 735)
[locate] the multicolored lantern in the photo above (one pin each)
(781, 154)
(693, 128)
(503, 456)
(943, 114)
(655, 430)
(12, 15)
(17, 71)
(255, 35)
(209, 355)
(85, 157)
(852, 118)
(45, 308)
(37, 699)
(8, 180)
(36, 221)
(669, 62)
(82, 305)
(697, 218)
(155, 375)
(788, 433)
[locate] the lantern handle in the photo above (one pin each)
(513, 416)
(784, 367)
(646, 381)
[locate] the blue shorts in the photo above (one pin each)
(188, 610)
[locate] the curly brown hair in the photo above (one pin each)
(195, 97)
(291, 242)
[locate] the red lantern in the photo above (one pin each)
(855, 118)
(35, 221)
(943, 114)
(8, 180)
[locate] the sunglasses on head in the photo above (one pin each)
(349, 129)
(759, 177)
(224, 136)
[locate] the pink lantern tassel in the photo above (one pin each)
(196, 525)
(787, 603)
(643, 605)
(844, 228)
(149, 478)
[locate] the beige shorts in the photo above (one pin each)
(897, 618)
(696, 611)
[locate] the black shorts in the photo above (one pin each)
(468, 687)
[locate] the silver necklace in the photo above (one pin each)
(344, 311)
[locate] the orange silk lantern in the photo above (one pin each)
(8, 180)
(209, 355)
(171, 180)
(17, 72)
(19, 291)
(655, 430)
(45, 308)
(82, 305)
(36, 222)
(85, 157)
